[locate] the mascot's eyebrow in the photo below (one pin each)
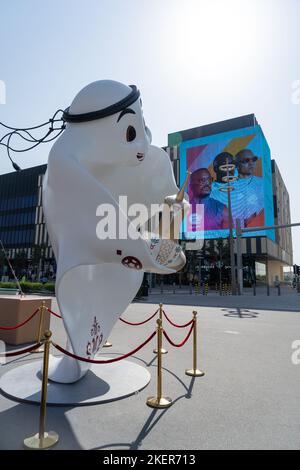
(125, 111)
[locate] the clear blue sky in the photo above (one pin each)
(195, 62)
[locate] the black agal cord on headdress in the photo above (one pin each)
(25, 133)
(113, 109)
(54, 130)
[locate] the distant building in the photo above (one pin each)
(22, 225)
(263, 257)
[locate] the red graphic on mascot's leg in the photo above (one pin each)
(97, 337)
(132, 262)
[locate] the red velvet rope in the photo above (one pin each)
(23, 351)
(53, 313)
(183, 342)
(140, 323)
(108, 361)
(20, 324)
(174, 324)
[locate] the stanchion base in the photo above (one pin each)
(162, 351)
(163, 402)
(107, 344)
(34, 442)
(194, 372)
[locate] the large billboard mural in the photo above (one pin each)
(247, 151)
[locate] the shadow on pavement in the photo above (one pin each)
(22, 420)
(240, 313)
(154, 417)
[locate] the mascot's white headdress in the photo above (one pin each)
(105, 152)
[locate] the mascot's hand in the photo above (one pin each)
(176, 205)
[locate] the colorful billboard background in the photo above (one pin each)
(252, 196)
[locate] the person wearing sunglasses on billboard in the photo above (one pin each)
(247, 200)
(249, 188)
(215, 212)
(246, 163)
(222, 159)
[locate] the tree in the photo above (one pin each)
(3, 262)
(38, 257)
(20, 261)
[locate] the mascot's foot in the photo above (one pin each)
(64, 370)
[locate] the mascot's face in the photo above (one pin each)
(119, 139)
(129, 141)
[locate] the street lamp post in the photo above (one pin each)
(200, 258)
(220, 264)
(230, 179)
(239, 257)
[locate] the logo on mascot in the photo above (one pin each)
(97, 337)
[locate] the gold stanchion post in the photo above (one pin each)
(162, 350)
(159, 401)
(43, 440)
(194, 372)
(107, 344)
(41, 323)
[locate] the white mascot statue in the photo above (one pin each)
(105, 152)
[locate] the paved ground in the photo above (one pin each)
(289, 300)
(248, 399)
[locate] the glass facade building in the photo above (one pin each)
(19, 200)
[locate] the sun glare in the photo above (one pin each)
(218, 35)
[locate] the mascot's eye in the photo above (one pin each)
(130, 134)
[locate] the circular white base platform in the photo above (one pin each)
(102, 383)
